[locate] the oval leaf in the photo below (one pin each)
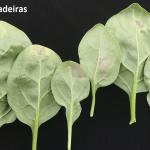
(131, 27)
(147, 77)
(100, 58)
(29, 91)
(12, 42)
(70, 85)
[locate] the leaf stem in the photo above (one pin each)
(133, 98)
(70, 121)
(134, 86)
(36, 123)
(93, 98)
(35, 136)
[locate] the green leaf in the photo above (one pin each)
(29, 90)
(6, 113)
(100, 58)
(12, 42)
(70, 85)
(131, 27)
(147, 78)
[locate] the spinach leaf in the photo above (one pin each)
(12, 42)
(69, 86)
(29, 90)
(131, 27)
(147, 77)
(100, 58)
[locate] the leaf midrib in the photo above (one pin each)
(98, 60)
(39, 95)
(72, 101)
(137, 43)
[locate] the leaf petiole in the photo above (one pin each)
(35, 134)
(70, 122)
(133, 98)
(93, 98)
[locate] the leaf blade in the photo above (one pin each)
(100, 57)
(12, 42)
(131, 28)
(32, 73)
(70, 86)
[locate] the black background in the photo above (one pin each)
(60, 25)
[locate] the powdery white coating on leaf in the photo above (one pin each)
(29, 91)
(12, 42)
(100, 56)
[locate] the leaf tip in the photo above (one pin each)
(135, 5)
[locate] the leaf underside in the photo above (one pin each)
(12, 42)
(100, 57)
(29, 91)
(70, 85)
(131, 28)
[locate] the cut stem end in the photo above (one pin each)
(132, 121)
(133, 99)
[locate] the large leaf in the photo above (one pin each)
(100, 58)
(12, 42)
(29, 90)
(131, 27)
(70, 85)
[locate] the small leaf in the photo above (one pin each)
(29, 91)
(12, 42)
(70, 85)
(6, 113)
(147, 78)
(100, 58)
(131, 27)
